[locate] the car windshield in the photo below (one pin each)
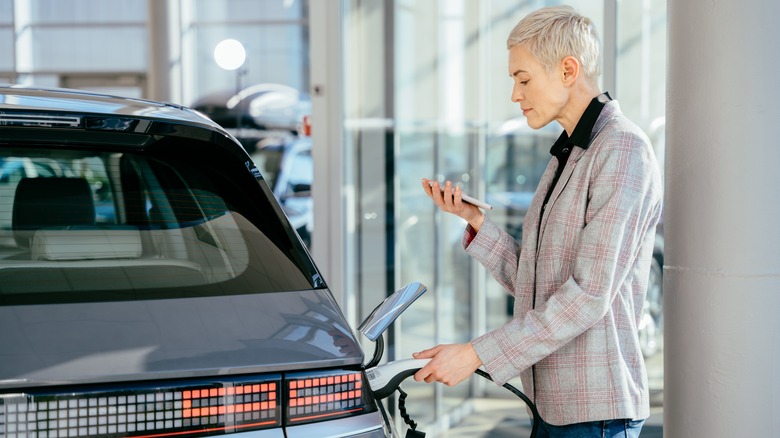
(81, 225)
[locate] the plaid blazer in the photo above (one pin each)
(586, 266)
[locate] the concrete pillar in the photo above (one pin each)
(330, 194)
(158, 85)
(722, 208)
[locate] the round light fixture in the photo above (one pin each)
(230, 54)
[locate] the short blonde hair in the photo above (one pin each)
(553, 33)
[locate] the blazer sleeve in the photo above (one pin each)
(495, 249)
(623, 202)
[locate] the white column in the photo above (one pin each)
(722, 207)
(157, 79)
(163, 79)
(329, 191)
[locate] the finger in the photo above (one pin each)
(423, 373)
(457, 197)
(425, 354)
(436, 194)
(440, 196)
(447, 195)
(426, 183)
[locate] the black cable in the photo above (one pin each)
(379, 350)
(415, 433)
(412, 432)
(536, 418)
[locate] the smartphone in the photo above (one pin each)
(467, 198)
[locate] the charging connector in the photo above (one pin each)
(384, 379)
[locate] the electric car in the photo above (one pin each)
(151, 285)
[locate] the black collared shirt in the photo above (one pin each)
(580, 138)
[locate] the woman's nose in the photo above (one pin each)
(517, 96)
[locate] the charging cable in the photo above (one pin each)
(531, 406)
(386, 379)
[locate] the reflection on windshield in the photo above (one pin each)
(94, 226)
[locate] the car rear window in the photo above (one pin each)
(85, 225)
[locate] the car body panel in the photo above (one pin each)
(164, 339)
(363, 426)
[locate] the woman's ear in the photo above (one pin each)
(571, 70)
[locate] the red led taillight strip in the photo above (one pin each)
(245, 401)
(311, 398)
(143, 412)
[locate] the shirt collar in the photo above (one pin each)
(581, 135)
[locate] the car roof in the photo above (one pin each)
(95, 111)
(61, 99)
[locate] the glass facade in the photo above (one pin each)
(106, 46)
(426, 94)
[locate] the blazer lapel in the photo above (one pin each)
(576, 154)
(610, 111)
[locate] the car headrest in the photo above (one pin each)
(50, 202)
(86, 244)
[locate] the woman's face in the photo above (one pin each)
(541, 94)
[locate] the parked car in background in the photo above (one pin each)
(267, 120)
(257, 111)
(151, 285)
(288, 168)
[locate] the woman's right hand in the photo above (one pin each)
(450, 201)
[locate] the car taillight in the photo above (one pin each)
(318, 396)
(207, 408)
(191, 408)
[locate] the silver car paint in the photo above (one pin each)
(135, 340)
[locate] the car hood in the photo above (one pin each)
(135, 340)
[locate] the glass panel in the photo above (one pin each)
(87, 11)
(422, 136)
(418, 258)
(6, 12)
(6, 48)
(244, 10)
(454, 283)
(276, 53)
(641, 90)
(93, 49)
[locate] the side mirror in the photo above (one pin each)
(388, 310)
